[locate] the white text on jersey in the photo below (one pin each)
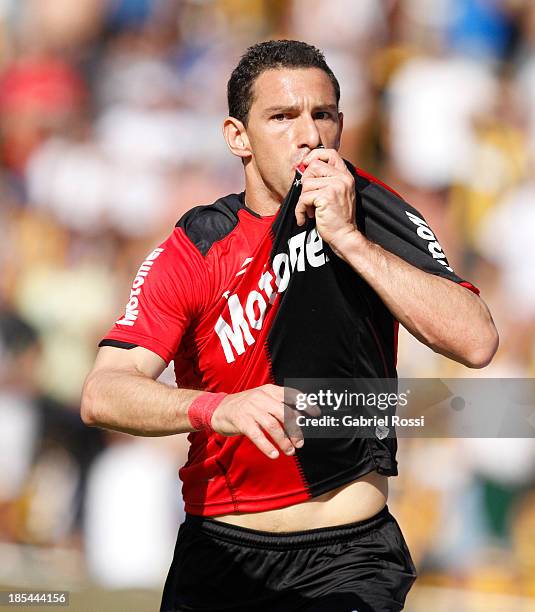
(303, 247)
(132, 308)
(433, 245)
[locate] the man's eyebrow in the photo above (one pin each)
(293, 107)
(281, 108)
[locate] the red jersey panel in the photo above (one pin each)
(178, 298)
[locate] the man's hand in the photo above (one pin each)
(328, 193)
(268, 409)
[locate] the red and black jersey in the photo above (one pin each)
(238, 300)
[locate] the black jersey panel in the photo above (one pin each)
(329, 324)
(401, 229)
(205, 225)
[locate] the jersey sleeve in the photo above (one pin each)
(165, 296)
(399, 228)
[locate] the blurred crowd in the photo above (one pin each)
(110, 129)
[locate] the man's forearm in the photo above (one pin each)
(447, 317)
(135, 404)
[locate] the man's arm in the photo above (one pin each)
(121, 393)
(449, 318)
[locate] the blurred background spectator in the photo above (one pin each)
(110, 129)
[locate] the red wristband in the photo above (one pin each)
(202, 408)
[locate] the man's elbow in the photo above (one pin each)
(482, 354)
(89, 402)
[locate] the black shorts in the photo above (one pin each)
(361, 566)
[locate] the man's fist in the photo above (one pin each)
(268, 409)
(328, 193)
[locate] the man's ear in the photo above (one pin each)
(236, 137)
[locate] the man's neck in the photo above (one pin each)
(258, 196)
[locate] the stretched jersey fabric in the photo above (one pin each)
(238, 300)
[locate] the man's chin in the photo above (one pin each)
(290, 182)
(280, 190)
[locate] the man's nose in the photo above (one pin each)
(308, 134)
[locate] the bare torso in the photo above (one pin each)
(355, 501)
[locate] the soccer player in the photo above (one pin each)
(305, 274)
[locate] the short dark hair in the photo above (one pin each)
(272, 54)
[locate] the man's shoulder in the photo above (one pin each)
(365, 179)
(206, 224)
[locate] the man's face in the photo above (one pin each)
(293, 112)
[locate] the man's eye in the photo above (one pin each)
(279, 117)
(322, 115)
